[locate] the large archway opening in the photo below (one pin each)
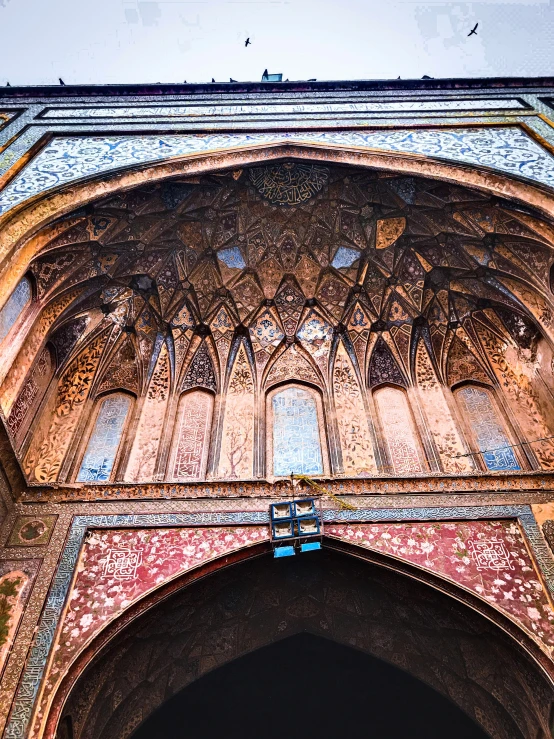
(308, 686)
(252, 639)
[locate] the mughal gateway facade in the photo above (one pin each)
(221, 297)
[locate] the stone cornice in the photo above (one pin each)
(424, 485)
(159, 89)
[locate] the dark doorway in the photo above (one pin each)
(307, 686)
(237, 653)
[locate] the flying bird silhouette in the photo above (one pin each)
(248, 42)
(473, 30)
(61, 81)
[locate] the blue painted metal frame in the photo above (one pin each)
(28, 690)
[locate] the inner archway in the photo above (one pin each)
(435, 642)
(306, 685)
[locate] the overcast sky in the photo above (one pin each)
(111, 41)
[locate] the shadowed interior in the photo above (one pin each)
(308, 686)
(431, 642)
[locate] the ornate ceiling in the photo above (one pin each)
(237, 281)
(258, 250)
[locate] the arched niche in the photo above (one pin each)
(191, 436)
(32, 393)
(438, 638)
(99, 459)
(487, 428)
(399, 430)
(296, 434)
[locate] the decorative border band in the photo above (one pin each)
(507, 149)
(38, 656)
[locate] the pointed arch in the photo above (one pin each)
(489, 434)
(399, 430)
(383, 368)
(316, 336)
(463, 365)
(266, 333)
(200, 372)
(32, 393)
(290, 364)
(123, 370)
(15, 307)
(455, 597)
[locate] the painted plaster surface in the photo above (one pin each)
(488, 558)
(15, 377)
(16, 581)
(142, 461)
(516, 377)
(354, 433)
(252, 109)
(399, 431)
(442, 425)
(236, 457)
(117, 567)
(32, 531)
(508, 150)
(543, 512)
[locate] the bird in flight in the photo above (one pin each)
(473, 30)
(248, 42)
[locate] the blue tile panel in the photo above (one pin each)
(232, 257)
(18, 300)
(249, 109)
(507, 149)
(491, 438)
(296, 444)
(103, 444)
(345, 257)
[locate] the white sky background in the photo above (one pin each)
(126, 41)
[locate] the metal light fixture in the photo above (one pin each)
(298, 524)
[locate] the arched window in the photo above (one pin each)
(296, 435)
(191, 439)
(487, 428)
(399, 430)
(105, 439)
(14, 306)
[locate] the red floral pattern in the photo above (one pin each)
(118, 567)
(488, 558)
